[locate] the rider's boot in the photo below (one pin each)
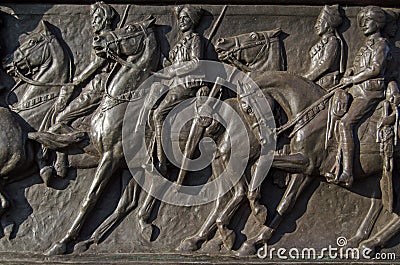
(346, 178)
(162, 159)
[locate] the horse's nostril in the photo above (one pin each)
(220, 40)
(96, 38)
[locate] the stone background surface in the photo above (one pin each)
(40, 214)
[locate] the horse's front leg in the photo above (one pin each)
(297, 184)
(228, 236)
(109, 163)
(192, 243)
(126, 204)
(391, 229)
(367, 224)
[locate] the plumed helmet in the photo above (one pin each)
(194, 13)
(332, 15)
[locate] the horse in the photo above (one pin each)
(43, 67)
(267, 47)
(254, 52)
(137, 42)
(309, 158)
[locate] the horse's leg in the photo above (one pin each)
(61, 164)
(381, 237)
(228, 236)
(144, 216)
(293, 163)
(4, 203)
(126, 204)
(108, 164)
(287, 202)
(191, 243)
(258, 210)
(367, 224)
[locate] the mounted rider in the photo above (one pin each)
(183, 58)
(88, 100)
(327, 54)
(367, 81)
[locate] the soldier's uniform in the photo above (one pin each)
(366, 95)
(325, 61)
(184, 57)
(188, 49)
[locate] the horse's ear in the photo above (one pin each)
(44, 27)
(149, 21)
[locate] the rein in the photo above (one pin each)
(126, 97)
(37, 101)
(239, 48)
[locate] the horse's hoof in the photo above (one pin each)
(367, 249)
(146, 231)
(229, 239)
(46, 173)
(82, 246)
(261, 213)
(246, 250)
(188, 245)
(58, 248)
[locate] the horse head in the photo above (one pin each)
(252, 51)
(33, 51)
(127, 41)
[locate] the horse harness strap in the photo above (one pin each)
(238, 48)
(34, 102)
(308, 113)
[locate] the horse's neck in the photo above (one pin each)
(271, 61)
(291, 92)
(55, 70)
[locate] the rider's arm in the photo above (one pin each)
(327, 61)
(376, 64)
(94, 65)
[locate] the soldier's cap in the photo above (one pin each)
(194, 13)
(332, 15)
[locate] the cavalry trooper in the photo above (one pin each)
(89, 99)
(327, 54)
(183, 58)
(367, 82)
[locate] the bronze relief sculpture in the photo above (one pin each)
(241, 100)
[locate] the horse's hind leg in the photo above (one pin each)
(297, 184)
(367, 224)
(228, 236)
(108, 164)
(126, 204)
(381, 237)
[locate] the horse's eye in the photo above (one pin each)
(253, 35)
(32, 41)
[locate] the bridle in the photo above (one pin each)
(126, 97)
(35, 102)
(265, 42)
(117, 41)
